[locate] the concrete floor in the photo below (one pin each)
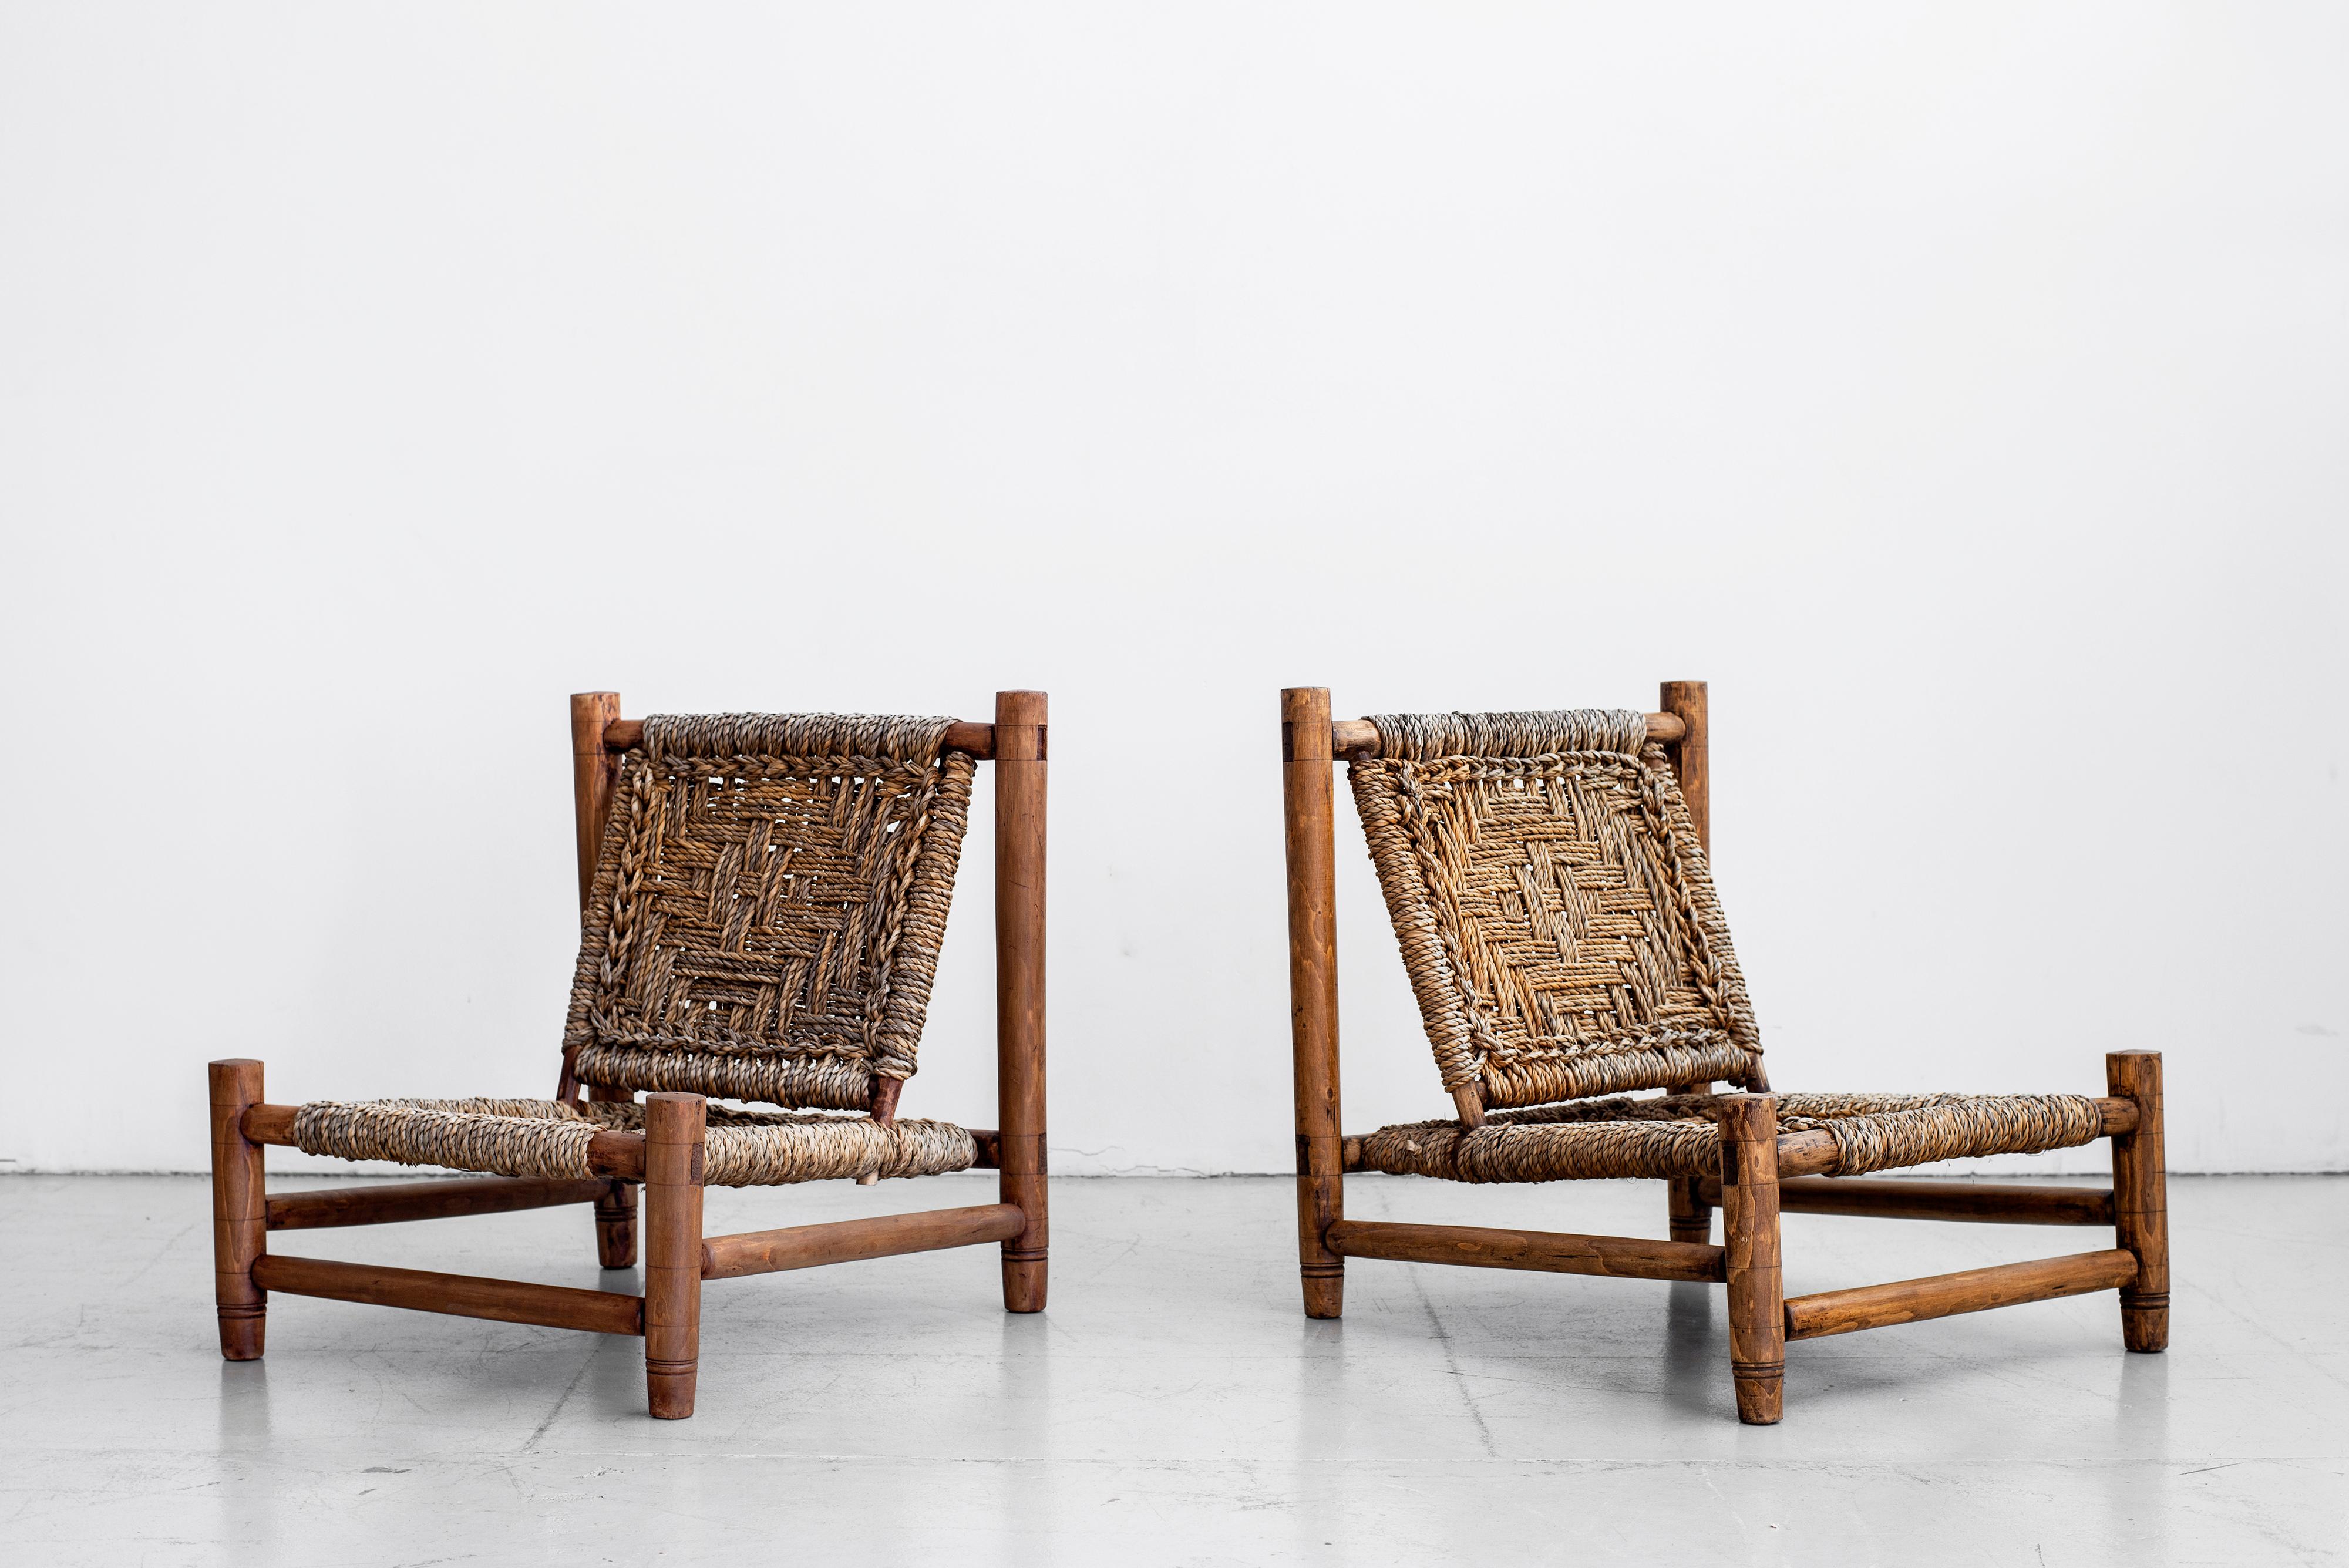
(1173, 1407)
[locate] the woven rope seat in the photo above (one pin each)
(763, 924)
(550, 1138)
(1558, 924)
(1679, 1135)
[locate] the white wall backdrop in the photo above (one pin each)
(1961, 389)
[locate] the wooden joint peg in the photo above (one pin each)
(2141, 1200)
(239, 1211)
(1748, 1221)
(674, 1129)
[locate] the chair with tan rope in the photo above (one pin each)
(763, 899)
(1546, 879)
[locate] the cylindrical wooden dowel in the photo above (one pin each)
(1021, 740)
(1309, 820)
(1547, 1252)
(851, 1240)
(462, 1296)
(395, 1202)
(594, 772)
(1984, 1202)
(673, 1136)
(1749, 1223)
(1944, 1295)
(616, 1225)
(239, 1211)
(2141, 1200)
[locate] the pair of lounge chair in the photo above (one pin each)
(763, 898)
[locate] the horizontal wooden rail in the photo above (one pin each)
(426, 1200)
(1944, 1295)
(609, 1154)
(990, 1149)
(1357, 734)
(973, 735)
(1621, 1257)
(1989, 1203)
(461, 1295)
(848, 1240)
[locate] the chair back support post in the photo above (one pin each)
(674, 1132)
(239, 1211)
(594, 772)
(1309, 824)
(1020, 745)
(1749, 1223)
(2140, 1200)
(1690, 1217)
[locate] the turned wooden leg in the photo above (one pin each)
(1308, 814)
(1692, 1215)
(673, 1136)
(1749, 1223)
(616, 1225)
(1019, 797)
(2141, 1200)
(240, 1211)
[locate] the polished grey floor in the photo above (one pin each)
(1173, 1407)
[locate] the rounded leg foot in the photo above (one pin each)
(1325, 1292)
(2144, 1325)
(668, 1387)
(242, 1331)
(1024, 1282)
(1761, 1393)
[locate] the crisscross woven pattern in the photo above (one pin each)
(550, 1137)
(1679, 1134)
(1557, 916)
(766, 914)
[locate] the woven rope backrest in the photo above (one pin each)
(1553, 906)
(767, 909)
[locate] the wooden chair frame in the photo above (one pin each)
(666, 1159)
(1764, 1172)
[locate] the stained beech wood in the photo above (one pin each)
(1749, 1223)
(594, 770)
(990, 1149)
(593, 773)
(974, 736)
(1692, 761)
(2120, 1116)
(270, 1124)
(1989, 1203)
(1348, 736)
(848, 1241)
(1807, 1154)
(616, 1225)
(1942, 1295)
(461, 1295)
(1688, 1208)
(393, 1203)
(1554, 1253)
(2141, 1201)
(674, 1127)
(1021, 742)
(1310, 823)
(1688, 1212)
(1469, 1102)
(617, 1154)
(239, 1211)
